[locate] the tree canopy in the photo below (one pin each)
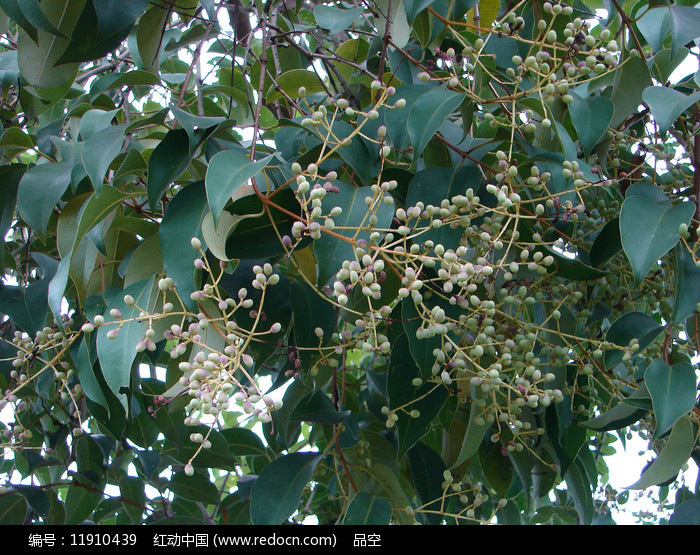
(347, 262)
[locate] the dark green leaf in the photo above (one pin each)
(277, 491)
(427, 115)
(194, 488)
(687, 513)
(317, 407)
(182, 221)
(367, 510)
(632, 325)
(13, 509)
(427, 470)
(167, 162)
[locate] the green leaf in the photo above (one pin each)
(632, 325)
(149, 38)
(664, 63)
(291, 81)
(334, 19)
(85, 359)
(228, 170)
(667, 104)
(672, 390)
(590, 117)
(13, 509)
(277, 491)
(687, 285)
(243, 442)
(476, 428)
(687, 513)
(427, 470)
(672, 457)
(39, 191)
(182, 221)
(310, 310)
(655, 26)
(630, 82)
(367, 510)
(388, 478)
(331, 251)
(27, 307)
(99, 151)
(428, 399)
(133, 493)
(36, 497)
(399, 29)
(167, 162)
(37, 60)
(101, 29)
(81, 501)
(194, 488)
(94, 211)
(606, 244)
(317, 407)
(117, 355)
(580, 488)
(649, 226)
(195, 126)
(621, 415)
(685, 25)
(427, 115)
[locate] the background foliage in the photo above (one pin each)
(365, 262)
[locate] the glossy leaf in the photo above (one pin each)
(182, 221)
(367, 510)
(620, 416)
(117, 355)
(335, 19)
(476, 428)
(196, 488)
(649, 227)
(277, 491)
(229, 170)
(632, 325)
(81, 501)
(99, 152)
(591, 118)
(37, 60)
(167, 162)
(40, 189)
(673, 391)
(428, 114)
